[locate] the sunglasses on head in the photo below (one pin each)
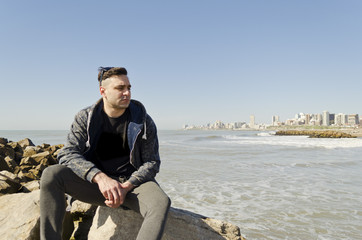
(102, 70)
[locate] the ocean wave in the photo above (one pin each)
(266, 134)
(212, 137)
(295, 141)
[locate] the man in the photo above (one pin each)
(110, 159)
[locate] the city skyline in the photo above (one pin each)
(315, 119)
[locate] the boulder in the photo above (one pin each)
(78, 207)
(16, 146)
(6, 150)
(3, 140)
(31, 150)
(11, 164)
(9, 183)
(181, 225)
(82, 214)
(28, 161)
(26, 142)
(31, 186)
(4, 164)
(20, 216)
(41, 156)
(26, 176)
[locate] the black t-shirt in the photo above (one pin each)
(112, 149)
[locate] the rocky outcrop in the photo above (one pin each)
(181, 225)
(20, 220)
(21, 166)
(314, 134)
(22, 163)
(19, 216)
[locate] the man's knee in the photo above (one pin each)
(165, 202)
(162, 201)
(50, 175)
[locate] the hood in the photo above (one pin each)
(138, 115)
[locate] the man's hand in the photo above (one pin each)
(113, 191)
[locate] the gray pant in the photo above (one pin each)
(148, 199)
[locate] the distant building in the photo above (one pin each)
(252, 121)
(331, 118)
(307, 119)
(340, 119)
(325, 118)
(275, 121)
(353, 119)
(239, 124)
(218, 125)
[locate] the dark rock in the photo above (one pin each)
(9, 183)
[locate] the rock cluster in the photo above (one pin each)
(22, 163)
(314, 134)
(116, 224)
(21, 166)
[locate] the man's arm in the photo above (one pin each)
(71, 154)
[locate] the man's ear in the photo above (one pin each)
(102, 90)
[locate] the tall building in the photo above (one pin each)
(331, 118)
(325, 118)
(307, 119)
(318, 119)
(340, 119)
(353, 119)
(252, 121)
(218, 124)
(275, 120)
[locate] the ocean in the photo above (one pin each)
(272, 187)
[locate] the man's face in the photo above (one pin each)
(116, 92)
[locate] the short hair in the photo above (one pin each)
(106, 72)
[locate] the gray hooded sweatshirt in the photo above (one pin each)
(78, 152)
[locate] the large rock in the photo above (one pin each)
(82, 214)
(4, 164)
(181, 225)
(9, 183)
(25, 143)
(20, 216)
(6, 150)
(3, 140)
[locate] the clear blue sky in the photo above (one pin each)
(188, 61)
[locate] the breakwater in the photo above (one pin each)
(315, 134)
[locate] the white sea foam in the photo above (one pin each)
(294, 141)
